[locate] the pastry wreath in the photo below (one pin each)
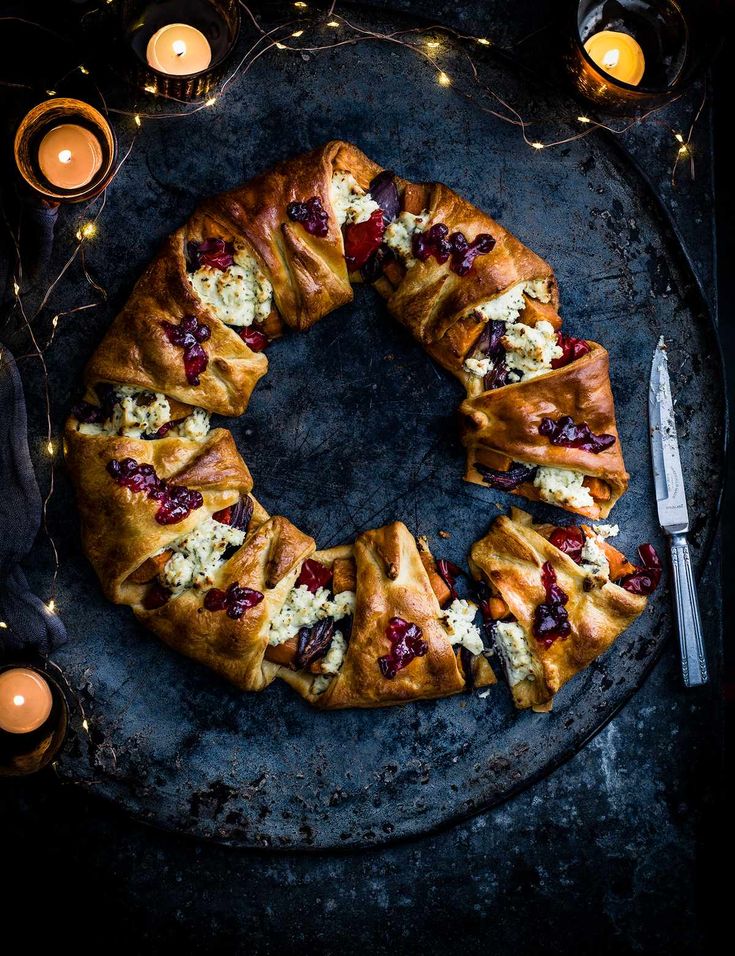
(168, 519)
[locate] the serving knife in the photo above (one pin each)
(674, 517)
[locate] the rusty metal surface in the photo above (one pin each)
(352, 427)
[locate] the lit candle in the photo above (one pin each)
(178, 50)
(70, 156)
(25, 700)
(618, 55)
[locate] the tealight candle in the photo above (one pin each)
(617, 54)
(25, 700)
(178, 50)
(69, 156)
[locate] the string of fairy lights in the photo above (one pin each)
(302, 35)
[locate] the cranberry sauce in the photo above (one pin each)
(564, 431)
(516, 475)
(570, 540)
(439, 243)
(449, 572)
(188, 335)
(314, 575)
(407, 642)
(156, 596)
(90, 414)
(213, 253)
(363, 239)
(235, 600)
(571, 349)
(175, 501)
(314, 642)
(311, 214)
(551, 619)
(644, 580)
(256, 341)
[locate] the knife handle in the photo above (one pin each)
(688, 621)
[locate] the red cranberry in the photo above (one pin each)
(551, 619)
(407, 642)
(464, 253)
(175, 501)
(570, 540)
(572, 349)
(311, 214)
(256, 341)
(214, 253)
(155, 597)
(645, 579)
(362, 239)
(188, 335)
(564, 431)
(235, 600)
(314, 575)
(437, 242)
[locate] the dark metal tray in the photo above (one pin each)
(354, 427)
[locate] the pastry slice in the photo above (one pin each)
(555, 599)
(385, 642)
(551, 437)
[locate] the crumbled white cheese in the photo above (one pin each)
(530, 350)
(198, 554)
(350, 202)
(194, 426)
(459, 622)
(302, 609)
(331, 663)
(239, 295)
(561, 486)
(594, 560)
(399, 235)
(606, 530)
(478, 366)
(505, 307)
(513, 646)
(539, 289)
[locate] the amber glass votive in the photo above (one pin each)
(33, 136)
(30, 751)
(217, 22)
(626, 54)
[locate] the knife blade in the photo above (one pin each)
(673, 516)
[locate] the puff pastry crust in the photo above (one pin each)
(309, 277)
(509, 560)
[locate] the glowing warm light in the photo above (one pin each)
(50, 92)
(86, 231)
(25, 700)
(3, 625)
(484, 41)
(432, 44)
(300, 5)
(70, 156)
(211, 101)
(50, 448)
(333, 23)
(16, 287)
(178, 49)
(584, 119)
(84, 70)
(683, 149)
(537, 145)
(55, 321)
(149, 88)
(137, 120)
(85, 724)
(444, 80)
(51, 606)
(297, 33)
(617, 54)
(281, 46)
(678, 137)
(19, 700)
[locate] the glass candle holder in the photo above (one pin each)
(25, 751)
(627, 54)
(47, 143)
(160, 37)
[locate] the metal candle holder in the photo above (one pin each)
(45, 117)
(22, 754)
(218, 20)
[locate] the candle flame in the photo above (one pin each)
(179, 47)
(65, 156)
(19, 700)
(611, 59)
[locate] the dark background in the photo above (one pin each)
(616, 852)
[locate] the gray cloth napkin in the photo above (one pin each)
(30, 626)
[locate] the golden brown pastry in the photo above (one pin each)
(503, 430)
(551, 616)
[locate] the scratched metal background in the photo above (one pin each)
(353, 427)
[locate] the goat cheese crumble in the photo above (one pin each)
(399, 235)
(512, 645)
(302, 608)
(239, 295)
(561, 486)
(138, 413)
(350, 202)
(195, 426)
(594, 560)
(331, 663)
(197, 555)
(459, 623)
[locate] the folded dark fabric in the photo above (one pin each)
(29, 624)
